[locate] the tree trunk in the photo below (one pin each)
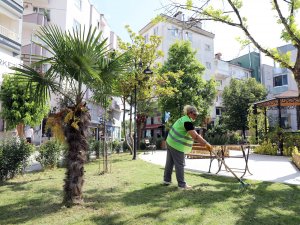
(20, 130)
(130, 145)
(124, 127)
(76, 157)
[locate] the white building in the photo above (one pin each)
(10, 37)
(224, 72)
(68, 15)
(177, 28)
(280, 83)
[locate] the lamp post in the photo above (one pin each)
(147, 71)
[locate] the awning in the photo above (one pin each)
(152, 126)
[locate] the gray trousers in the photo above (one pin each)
(176, 158)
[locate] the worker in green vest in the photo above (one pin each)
(180, 141)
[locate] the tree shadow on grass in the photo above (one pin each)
(260, 203)
(25, 210)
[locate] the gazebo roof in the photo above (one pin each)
(288, 98)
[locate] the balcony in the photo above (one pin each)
(222, 69)
(36, 18)
(16, 5)
(9, 34)
(10, 39)
(32, 52)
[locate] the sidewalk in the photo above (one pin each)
(263, 167)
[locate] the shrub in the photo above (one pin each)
(49, 153)
(125, 146)
(116, 146)
(159, 142)
(266, 148)
(296, 157)
(96, 147)
(14, 153)
(216, 139)
(142, 145)
(234, 138)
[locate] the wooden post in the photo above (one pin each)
(256, 130)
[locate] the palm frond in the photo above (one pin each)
(39, 85)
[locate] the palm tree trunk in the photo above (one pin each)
(76, 157)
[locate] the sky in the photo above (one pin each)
(137, 13)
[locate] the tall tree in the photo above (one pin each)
(231, 15)
(78, 60)
(142, 55)
(190, 87)
(237, 98)
(18, 109)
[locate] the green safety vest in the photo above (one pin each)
(178, 138)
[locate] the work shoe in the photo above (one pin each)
(166, 183)
(186, 187)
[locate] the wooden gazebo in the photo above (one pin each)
(289, 99)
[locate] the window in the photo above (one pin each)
(246, 74)
(146, 38)
(280, 80)
(77, 3)
(208, 65)
(175, 31)
(76, 25)
(188, 36)
(207, 47)
(155, 31)
(218, 111)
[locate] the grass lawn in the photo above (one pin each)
(132, 194)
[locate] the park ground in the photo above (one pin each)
(131, 193)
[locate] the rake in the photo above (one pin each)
(243, 183)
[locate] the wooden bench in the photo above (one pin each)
(200, 151)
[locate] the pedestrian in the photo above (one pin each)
(180, 141)
(29, 134)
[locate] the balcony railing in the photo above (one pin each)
(32, 52)
(36, 18)
(9, 34)
(222, 69)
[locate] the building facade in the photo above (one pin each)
(10, 38)
(177, 28)
(280, 83)
(69, 15)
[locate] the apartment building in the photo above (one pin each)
(251, 61)
(280, 83)
(177, 28)
(224, 72)
(10, 37)
(68, 15)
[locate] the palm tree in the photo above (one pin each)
(79, 59)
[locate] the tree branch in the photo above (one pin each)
(285, 23)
